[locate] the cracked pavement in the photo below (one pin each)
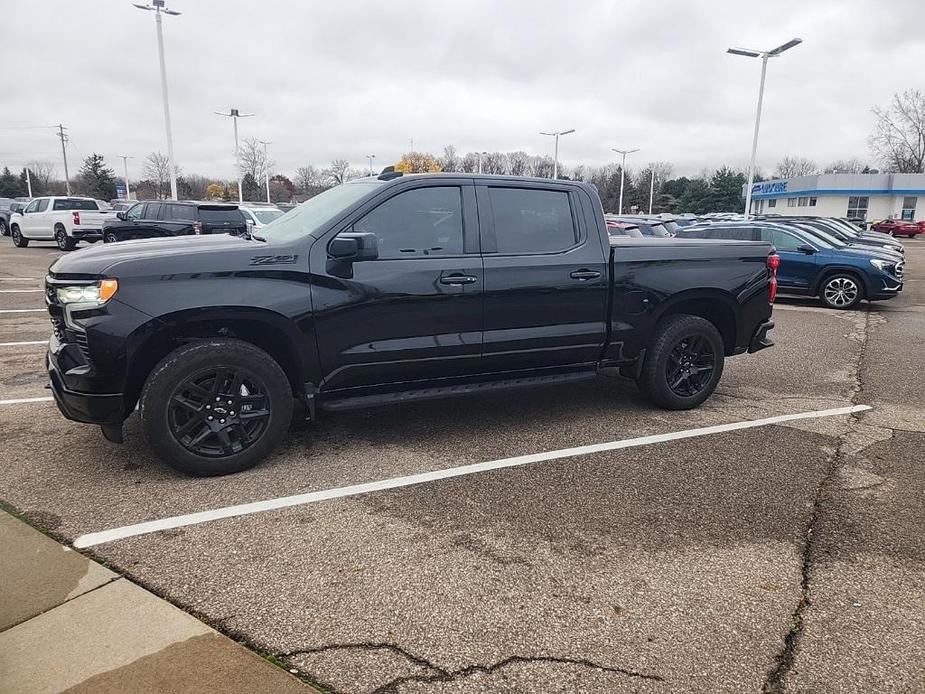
(786, 558)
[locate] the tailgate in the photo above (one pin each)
(93, 219)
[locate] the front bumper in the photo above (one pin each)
(90, 408)
(760, 339)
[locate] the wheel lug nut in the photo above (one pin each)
(221, 421)
(208, 407)
(218, 399)
(232, 413)
(211, 418)
(229, 402)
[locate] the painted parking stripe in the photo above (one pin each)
(20, 401)
(20, 344)
(19, 279)
(21, 291)
(98, 538)
(24, 310)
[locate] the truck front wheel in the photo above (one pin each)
(18, 239)
(683, 363)
(215, 407)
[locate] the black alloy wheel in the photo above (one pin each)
(219, 412)
(690, 364)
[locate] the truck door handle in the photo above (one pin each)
(584, 274)
(458, 279)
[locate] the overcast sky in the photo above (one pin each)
(342, 79)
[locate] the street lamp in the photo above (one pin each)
(125, 158)
(624, 152)
(159, 7)
(266, 166)
(481, 154)
(234, 114)
(764, 55)
(370, 157)
(555, 161)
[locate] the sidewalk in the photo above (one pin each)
(69, 624)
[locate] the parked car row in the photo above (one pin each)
(821, 257)
(66, 220)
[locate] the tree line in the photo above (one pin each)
(897, 144)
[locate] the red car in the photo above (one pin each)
(897, 227)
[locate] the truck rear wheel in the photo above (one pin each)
(65, 242)
(215, 407)
(683, 363)
(18, 239)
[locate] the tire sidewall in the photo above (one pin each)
(18, 240)
(65, 244)
(110, 238)
(4, 228)
(654, 379)
(854, 304)
(187, 360)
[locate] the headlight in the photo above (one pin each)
(90, 294)
(884, 265)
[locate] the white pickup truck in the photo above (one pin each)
(64, 220)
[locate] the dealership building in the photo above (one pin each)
(857, 196)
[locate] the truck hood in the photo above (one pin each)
(160, 256)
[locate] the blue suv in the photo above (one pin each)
(839, 274)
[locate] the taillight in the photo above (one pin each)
(197, 227)
(76, 217)
(773, 264)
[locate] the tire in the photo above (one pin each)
(110, 237)
(841, 290)
(4, 229)
(65, 242)
(18, 240)
(179, 392)
(681, 345)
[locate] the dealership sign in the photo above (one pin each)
(769, 187)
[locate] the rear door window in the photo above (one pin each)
(153, 210)
(177, 213)
(532, 221)
(221, 215)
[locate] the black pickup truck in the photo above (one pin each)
(386, 290)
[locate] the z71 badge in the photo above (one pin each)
(274, 259)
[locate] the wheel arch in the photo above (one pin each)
(272, 332)
(830, 270)
(714, 305)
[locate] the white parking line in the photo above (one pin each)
(20, 291)
(98, 538)
(21, 344)
(20, 401)
(19, 279)
(24, 310)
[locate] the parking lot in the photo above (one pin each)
(782, 557)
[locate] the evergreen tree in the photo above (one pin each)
(10, 185)
(96, 179)
(250, 189)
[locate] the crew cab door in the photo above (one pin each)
(797, 269)
(415, 311)
(27, 223)
(545, 278)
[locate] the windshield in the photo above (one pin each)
(317, 211)
(832, 240)
(266, 216)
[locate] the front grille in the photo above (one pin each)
(57, 327)
(80, 339)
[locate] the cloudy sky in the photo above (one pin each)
(342, 79)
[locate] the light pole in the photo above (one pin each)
(764, 55)
(159, 7)
(651, 189)
(234, 114)
(370, 157)
(481, 154)
(266, 166)
(125, 158)
(624, 152)
(28, 180)
(555, 161)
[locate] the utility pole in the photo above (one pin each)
(234, 114)
(266, 166)
(128, 194)
(624, 152)
(28, 181)
(651, 189)
(159, 7)
(67, 178)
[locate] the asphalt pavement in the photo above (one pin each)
(785, 557)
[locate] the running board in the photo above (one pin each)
(449, 391)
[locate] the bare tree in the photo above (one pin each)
(340, 172)
(898, 140)
(43, 173)
(253, 159)
(196, 186)
(156, 168)
(541, 167)
(494, 163)
(789, 167)
(518, 163)
(308, 178)
(470, 163)
(853, 165)
(450, 161)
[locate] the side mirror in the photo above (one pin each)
(354, 246)
(120, 215)
(807, 249)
